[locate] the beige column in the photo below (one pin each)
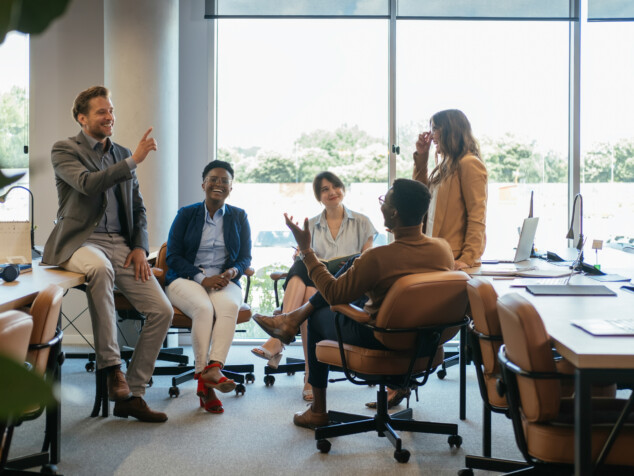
(141, 70)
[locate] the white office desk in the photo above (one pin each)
(597, 359)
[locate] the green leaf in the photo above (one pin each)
(22, 389)
(29, 16)
(4, 180)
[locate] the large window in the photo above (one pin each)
(14, 126)
(296, 97)
(511, 80)
(607, 132)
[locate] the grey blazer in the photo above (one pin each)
(81, 195)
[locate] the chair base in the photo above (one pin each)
(291, 366)
(385, 425)
(185, 374)
(492, 464)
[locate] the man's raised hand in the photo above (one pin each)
(146, 144)
(302, 237)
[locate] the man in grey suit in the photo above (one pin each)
(101, 232)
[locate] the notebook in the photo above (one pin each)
(524, 244)
(606, 327)
(569, 290)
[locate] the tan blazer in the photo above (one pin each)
(460, 215)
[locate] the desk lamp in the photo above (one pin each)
(571, 232)
(3, 198)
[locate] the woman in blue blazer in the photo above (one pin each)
(208, 249)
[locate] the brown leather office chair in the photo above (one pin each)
(420, 310)
(543, 420)
(15, 332)
(45, 357)
(485, 340)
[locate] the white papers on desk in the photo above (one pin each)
(15, 242)
(520, 271)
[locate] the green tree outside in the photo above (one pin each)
(13, 129)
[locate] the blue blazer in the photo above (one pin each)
(184, 239)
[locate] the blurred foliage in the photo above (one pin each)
(29, 16)
(358, 157)
(27, 389)
(262, 297)
(13, 129)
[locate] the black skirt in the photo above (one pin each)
(299, 269)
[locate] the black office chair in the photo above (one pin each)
(292, 364)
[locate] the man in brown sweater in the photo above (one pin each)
(371, 275)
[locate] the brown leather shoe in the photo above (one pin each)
(117, 385)
(137, 408)
(310, 419)
(277, 327)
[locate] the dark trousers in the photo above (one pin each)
(321, 326)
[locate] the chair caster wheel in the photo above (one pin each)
(454, 440)
(290, 374)
(249, 378)
(269, 380)
(402, 456)
(174, 392)
(465, 472)
(240, 389)
(323, 446)
(48, 469)
(90, 367)
(442, 373)
(151, 382)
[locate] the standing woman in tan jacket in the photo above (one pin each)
(458, 184)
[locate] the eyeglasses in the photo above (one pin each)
(215, 180)
(382, 199)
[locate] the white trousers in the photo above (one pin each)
(214, 313)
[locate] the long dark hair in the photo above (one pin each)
(456, 141)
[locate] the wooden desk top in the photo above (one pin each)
(23, 290)
(583, 350)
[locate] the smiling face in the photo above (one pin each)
(217, 185)
(330, 195)
(99, 122)
(435, 136)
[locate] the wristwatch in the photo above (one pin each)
(301, 255)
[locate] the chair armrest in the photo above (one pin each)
(249, 271)
(157, 272)
(277, 275)
(353, 312)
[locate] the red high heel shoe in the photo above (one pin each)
(210, 405)
(223, 385)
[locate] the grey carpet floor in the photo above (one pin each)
(256, 435)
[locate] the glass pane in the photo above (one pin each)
(610, 10)
(484, 8)
(299, 8)
(14, 125)
(290, 109)
(607, 134)
(511, 80)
